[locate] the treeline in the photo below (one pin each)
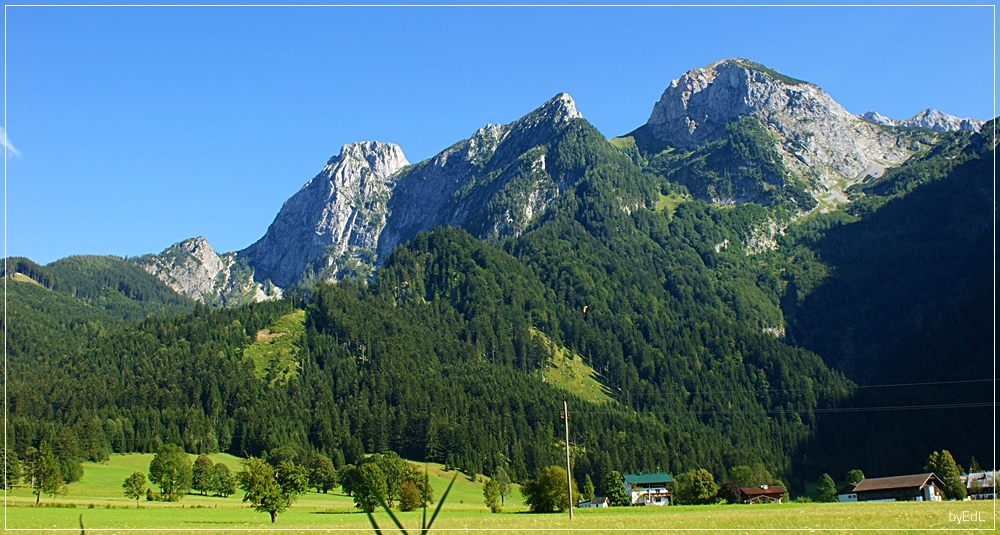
(108, 283)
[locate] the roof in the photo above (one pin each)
(847, 489)
(760, 491)
(896, 482)
(984, 479)
(646, 479)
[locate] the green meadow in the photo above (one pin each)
(98, 499)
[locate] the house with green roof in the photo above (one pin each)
(648, 489)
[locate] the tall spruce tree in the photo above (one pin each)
(587, 492)
(943, 465)
(826, 489)
(614, 489)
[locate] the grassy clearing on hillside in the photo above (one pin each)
(276, 349)
(567, 371)
(21, 277)
(668, 204)
(622, 142)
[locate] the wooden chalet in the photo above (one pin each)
(917, 487)
(763, 494)
(981, 485)
(648, 489)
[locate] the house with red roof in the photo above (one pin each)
(763, 494)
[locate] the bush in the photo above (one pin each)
(695, 487)
(548, 492)
(491, 495)
(730, 492)
(826, 489)
(409, 496)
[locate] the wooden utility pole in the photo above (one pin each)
(569, 474)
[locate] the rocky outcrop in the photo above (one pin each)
(825, 145)
(368, 199)
(333, 221)
(461, 186)
(929, 118)
(192, 268)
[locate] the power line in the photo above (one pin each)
(812, 388)
(824, 411)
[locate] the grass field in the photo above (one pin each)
(98, 498)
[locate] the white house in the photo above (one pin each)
(648, 489)
(599, 501)
(980, 485)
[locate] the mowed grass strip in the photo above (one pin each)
(901, 517)
(100, 499)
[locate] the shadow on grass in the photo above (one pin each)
(336, 513)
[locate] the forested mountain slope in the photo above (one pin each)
(437, 357)
(108, 283)
(904, 295)
(724, 332)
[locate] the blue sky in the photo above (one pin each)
(138, 127)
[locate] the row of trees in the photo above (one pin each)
(46, 469)
(41, 469)
(399, 482)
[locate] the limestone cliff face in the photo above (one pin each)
(929, 118)
(817, 138)
(333, 222)
(192, 268)
(491, 184)
(368, 199)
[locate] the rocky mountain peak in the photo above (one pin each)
(332, 218)
(193, 268)
(382, 159)
(824, 146)
(930, 118)
(696, 107)
(560, 108)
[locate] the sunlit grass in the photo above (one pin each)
(566, 370)
(276, 348)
